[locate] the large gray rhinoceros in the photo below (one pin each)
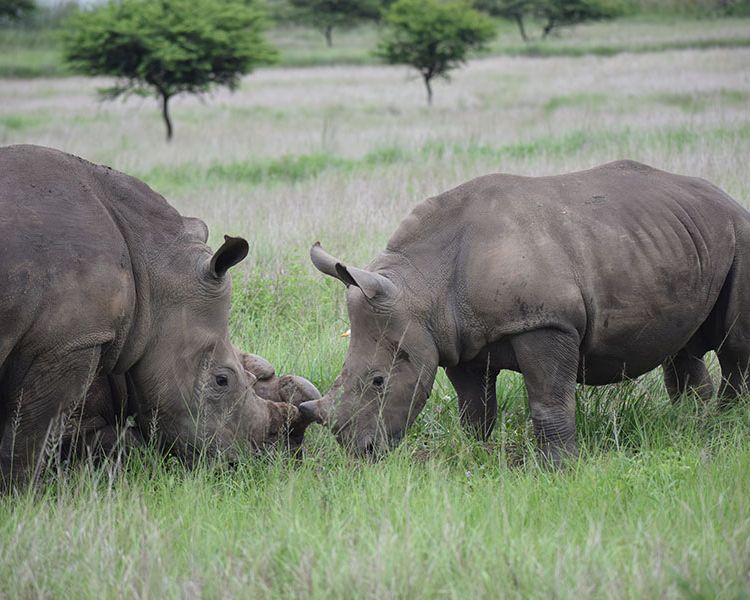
(100, 275)
(592, 277)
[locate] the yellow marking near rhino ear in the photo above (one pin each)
(347, 333)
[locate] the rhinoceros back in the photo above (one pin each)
(71, 234)
(632, 257)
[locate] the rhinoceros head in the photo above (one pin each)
(389, 368)
(190, 385)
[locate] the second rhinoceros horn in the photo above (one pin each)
(371, 284)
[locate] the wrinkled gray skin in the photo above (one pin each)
(101, 276)
(587, 277)
(101, 426)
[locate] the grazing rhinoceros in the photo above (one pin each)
(101, 424)
(100, 275)
(592, 277)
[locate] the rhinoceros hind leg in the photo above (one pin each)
(735, 375)
(548, 360)
(51, 386)
(477, 401)
(686, 372)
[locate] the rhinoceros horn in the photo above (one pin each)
(371, 284)
(315, 411)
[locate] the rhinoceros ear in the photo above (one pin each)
(232, 251)
(371, 284)
(196, 228)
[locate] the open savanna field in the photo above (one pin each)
(657, 506)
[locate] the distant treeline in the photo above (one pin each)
(690, 7)
(37, 15)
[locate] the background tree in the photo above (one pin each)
(327, 15)
(15, 10)
(559, 13)
(432, 36)
(512, 10)
(167, 47)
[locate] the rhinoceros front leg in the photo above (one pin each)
(548, 360)
(52, 385)
(98, 439)
(477, 401)
(686, 372)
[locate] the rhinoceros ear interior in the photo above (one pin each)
(196, 228)
(371, 284)
(232, 251)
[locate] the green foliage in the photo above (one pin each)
(167, 47)
(513, 10)
(15, 10)
(327, 15)
(432, 36)
(559, 13)
(737, 8)
(554, 13)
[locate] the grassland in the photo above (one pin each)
(658, 506)
(36, 52)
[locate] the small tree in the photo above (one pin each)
(167, 47)
(512, 10)
(327, 15)
(559, 13)
(432, 36)
(15, 10)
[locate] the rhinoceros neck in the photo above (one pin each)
(154, 235)
(422, 256)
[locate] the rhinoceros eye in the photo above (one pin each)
(222, 380)
(378, 381)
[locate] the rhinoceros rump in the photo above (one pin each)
(592, 277)
(100, 276)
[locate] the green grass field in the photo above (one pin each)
(657, 506)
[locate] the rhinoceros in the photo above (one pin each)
(101, 425)
(99, 275)
(587, 277)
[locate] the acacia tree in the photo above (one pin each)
(167, 47)
(15, 10)
(512, 10)
(559, 13)
(327, 15)
(432, 36)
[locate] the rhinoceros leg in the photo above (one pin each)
(548, 360)
(477, 401)
(52, 385)
(684, 372)
(735, 375)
